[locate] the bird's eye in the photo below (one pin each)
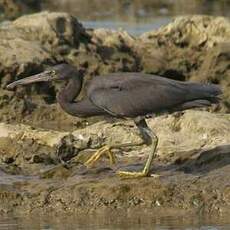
(53, 73)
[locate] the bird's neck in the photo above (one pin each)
(70, 91)
(67, 95)
(83, 108)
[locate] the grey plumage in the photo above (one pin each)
(135, 94)
(126, 95)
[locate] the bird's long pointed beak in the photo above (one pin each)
(44, 76)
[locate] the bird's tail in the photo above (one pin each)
(205, 91)
(212, 90)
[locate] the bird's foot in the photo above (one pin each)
(102, 151)
(130, 175)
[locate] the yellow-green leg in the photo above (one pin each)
(106, 150)
(100, 152)
(150, 138)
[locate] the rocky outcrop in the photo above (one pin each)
(31, 43)
(36, 39)
(185, 49)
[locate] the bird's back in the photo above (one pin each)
(134, 94)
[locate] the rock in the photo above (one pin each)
(35, 38)
(45, 39)
(22, 153)
(195, 130)
(110, 38)
(190, 131)
(50, 29)
(23, 132)
(102, 133)
(215, 68)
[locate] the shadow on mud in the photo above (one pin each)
(205, 161)
(196, 162)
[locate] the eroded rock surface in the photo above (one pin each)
(33, 42)
(193, 48)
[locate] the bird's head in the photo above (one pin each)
(55, 73)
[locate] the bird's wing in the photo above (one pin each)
(133, 95)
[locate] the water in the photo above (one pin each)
(132, 28)
(112, 222)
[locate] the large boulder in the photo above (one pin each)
(36, 39)
(27, 46)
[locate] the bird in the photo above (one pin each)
(125, 95)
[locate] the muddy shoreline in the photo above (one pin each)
(195, 180)
(193, 156)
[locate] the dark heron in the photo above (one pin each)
(125, 95)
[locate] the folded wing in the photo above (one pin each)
(132, 94)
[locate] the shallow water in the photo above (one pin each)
(132, 28)
(112, 221)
